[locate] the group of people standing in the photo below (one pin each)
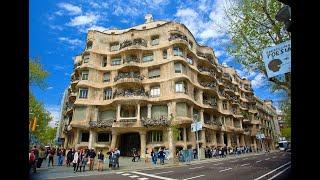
(158, 155)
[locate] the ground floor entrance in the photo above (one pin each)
(129, 143)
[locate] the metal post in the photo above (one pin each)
(197, 139)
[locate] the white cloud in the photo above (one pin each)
(74, 42)
(122, 9)
(94, 5)
(73, 10)
(83, 20)
(227, 59)
(59, 13)
(125, 21)
(258, 81)
(56, 27)
(57, 67)
(50, 88)
(55, 114)
(245, 73)
(66, 74)
(219, 53)
(99, 28)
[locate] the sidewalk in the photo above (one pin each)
(125, 165)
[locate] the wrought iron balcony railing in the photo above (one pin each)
(128, 43)
(174, 36)
(208, 84)
(129, 59)
(102, 123)
(155, 121)
(131, 92)
(133, 75)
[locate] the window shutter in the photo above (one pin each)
(154, 73)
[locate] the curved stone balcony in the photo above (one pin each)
(102, 123)
(135, 42)
(128, 77)
(155, 122)
(208, 84)
(130, 93)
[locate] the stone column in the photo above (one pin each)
(241, 124)
(185, 137)
(138, 114)
(200, 96)
(254, 144)
(169, 110)
(222, 138)
(172, 149)
(143, 143)
(203, 137)
(114, 139)
(77, 137)
(214, 138)
(149, 110)
(191, 112)
(238, 144)
(232, 123)
(201, 116)
(242, 142)
(118, 112)
(173, 108)
(92, 139)
(228, 140)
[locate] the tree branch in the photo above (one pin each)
(271, 21)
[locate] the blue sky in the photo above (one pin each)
(57, 32)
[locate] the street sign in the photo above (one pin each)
(277, 59)
(196, 126)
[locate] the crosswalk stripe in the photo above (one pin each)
(126, 174)
(119, 172)
(143, 178)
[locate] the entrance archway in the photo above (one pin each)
(128, 143)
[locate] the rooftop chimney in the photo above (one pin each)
(148, 18)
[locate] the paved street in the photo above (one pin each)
(256, 166)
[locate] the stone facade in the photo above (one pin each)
(138, 82)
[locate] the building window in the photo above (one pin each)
(107, 94)
(181, 87)
(86, 59)
(155, 91)
(85, 75)
(84, 137)
(154, 40)
(189, 60)
(106, 77)
(83, 93)
(114, 46)
(164, 54)
(177, 51)
(155, 136)
(179, 68)
(115, 61)
(103, 137)
(180, 134)
(89, 45)
(154, 73)
(104, 62)
(225, 106)
(190, 44)
(147, 57)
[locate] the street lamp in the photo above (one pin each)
(196, 120)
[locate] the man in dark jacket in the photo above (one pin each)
(70, 155)
(92, 155)
(161, 156)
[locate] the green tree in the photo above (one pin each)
(252, 27)
(37, 76)
(286, 132)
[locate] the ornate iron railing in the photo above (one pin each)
(102, 123)
(134, 75)
(155, 121)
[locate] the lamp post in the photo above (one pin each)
(196, 120)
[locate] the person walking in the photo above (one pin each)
(32, 161)
(75, 161)
(59, 155)
(84, 160)
(42, 156)
(161, 156)
(63, 155)
(110, 153)
(154, 157)
(100, 160)
(70, 155)
(81, 156)
(51, 153)
(117, 155)
(147, 156)
(92, 155)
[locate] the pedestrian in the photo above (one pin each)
(51, 153)
(80, 161)
(161, 155)
(63, 155)
(134, 156)
(100, 160)
(41, 157)
(84, 160)
(92, 155)
(117, 156)
(32, 161)
(147, 156)
(75, 161)
(70, 155)
(110, 158)
(154, 157)
(59, 155)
